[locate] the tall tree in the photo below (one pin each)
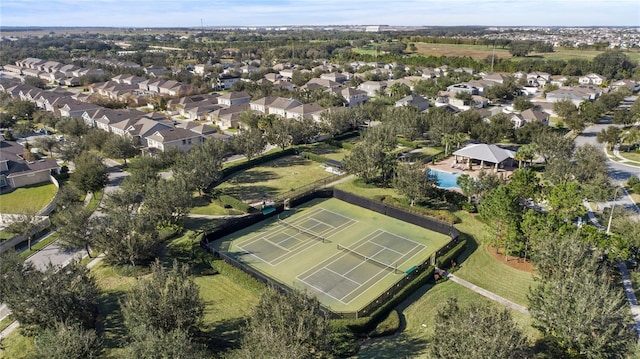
(565, 201)
(75, 228)
(611, 136)
(68, 342)
(502, 212)
(168, 300)
(150, 343)
(42, 299)
(249, 142)
(47, 143)
(120, 147)
(90, 174)
(467, 185)
(202, 165)
(27, 225)
(286, 326)
(553, 145)
(575, 305)
(522, 103)
(413, 182)
(480, 332)
(168, 202)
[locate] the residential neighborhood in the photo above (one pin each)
(338, 191)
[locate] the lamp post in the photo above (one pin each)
(615, 195)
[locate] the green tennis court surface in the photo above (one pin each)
(343, 254)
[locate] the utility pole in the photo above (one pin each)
(493, 57)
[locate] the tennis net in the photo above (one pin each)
(300, 230)
(392, 267)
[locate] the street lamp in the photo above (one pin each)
(615, 195)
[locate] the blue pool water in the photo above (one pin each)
(446, 179)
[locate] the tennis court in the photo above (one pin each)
(347, 275)
(291, 237)
(345, 255)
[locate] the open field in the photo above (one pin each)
(272, 179)
(480, 52)
(28, 199)
(326, 150)
(306, 252)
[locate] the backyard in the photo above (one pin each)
(26, 200)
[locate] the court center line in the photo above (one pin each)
(342, 275)
(322, 291)
(373, 285)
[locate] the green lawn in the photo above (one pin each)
(419, 312)
(28, 199)
(325, 150)
(631, 155)
(273, 179)
(206, 205)
(483, 270)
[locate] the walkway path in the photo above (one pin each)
(486, 293)
(626, 279)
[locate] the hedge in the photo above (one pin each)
(237, 275)
(388, 326)
(365, 325)
(336, 143)
(407, 143)
(314, 157)
(227, 200)
(444, 261)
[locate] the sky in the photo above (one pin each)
(193, 13)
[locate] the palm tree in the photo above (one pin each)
(526, 153)
(631, 137)
(446, 140)
(458, 138)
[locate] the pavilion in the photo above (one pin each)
(483, 153)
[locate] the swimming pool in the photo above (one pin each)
(446, 179)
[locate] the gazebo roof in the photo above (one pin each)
(484, 152)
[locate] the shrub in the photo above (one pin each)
(314, 157)
(227, 200)
(636, 188)
(632, 181)
(407, 143)
(388, 326)
(237, 275)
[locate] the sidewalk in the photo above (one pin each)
(620, 159)
(486, 293)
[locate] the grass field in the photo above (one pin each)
(483, 270)
(28, 199)
(326, 150)
(321, 267)
(480, 52)
(272, 179)
(419, 313)
(206, 205)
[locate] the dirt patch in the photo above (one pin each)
(513, 262)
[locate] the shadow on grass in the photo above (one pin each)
(111, 322)
(224, 335)
(397, 346)
(251, 193)
(254, 176)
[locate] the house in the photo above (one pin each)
(538, 79)
(73, 108)
(632, 85)
(233, 98)
(272, 77)
(414, 100)
(248, 69)
(200, 128)
(281, 105)
(535, 115)
(373, 88)
(16, 172)
(225, 81)
(307, 110)
(319, 83)
(494, 77)
(335, 77)
(592, 79)
(353, 96)
(286, 73)
(576, 94)
(463, 87)
(228, 117)
(262, 104)
(143, 127)
(179, 138)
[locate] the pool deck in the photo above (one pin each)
(446, 166)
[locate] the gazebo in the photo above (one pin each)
(484, 153)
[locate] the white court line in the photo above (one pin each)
(406, 239)
(322, 291)
(364, 261)
(342, 275)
